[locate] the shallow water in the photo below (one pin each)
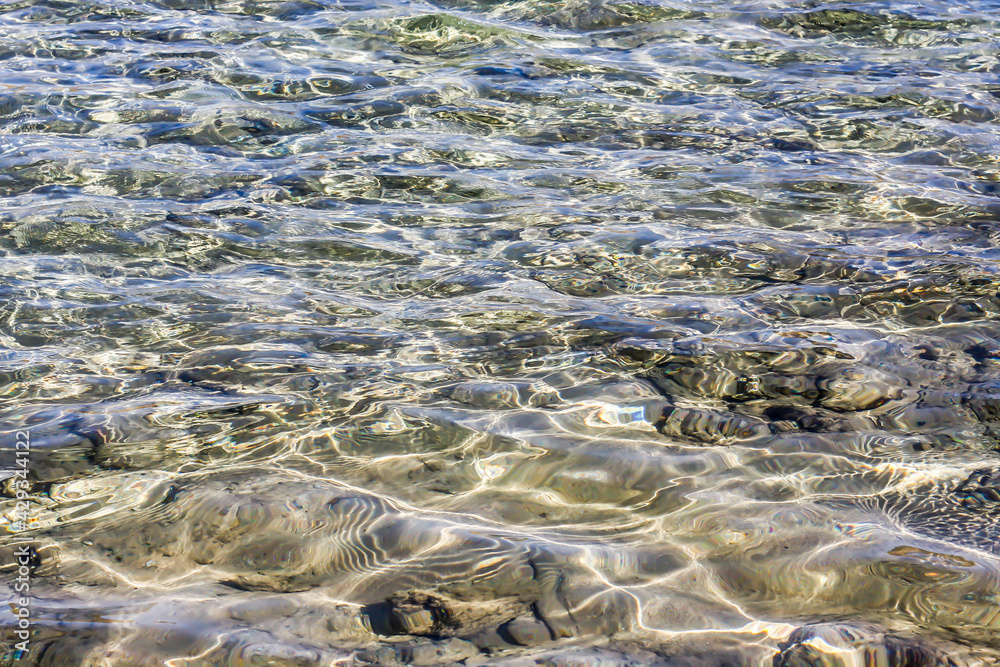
(379, 332)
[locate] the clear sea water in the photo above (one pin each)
(524, 332)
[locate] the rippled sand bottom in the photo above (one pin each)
(573, 519)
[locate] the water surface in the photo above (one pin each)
(379, 332)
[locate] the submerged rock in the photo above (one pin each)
(981, 488)
(855, 645)
(710, 426)
(444, 613)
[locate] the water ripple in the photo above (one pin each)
(473, 332)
